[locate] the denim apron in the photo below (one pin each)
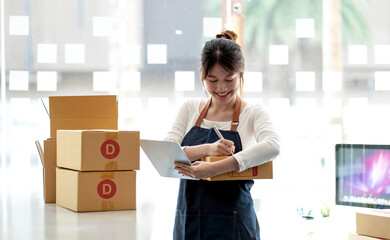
(215, 209)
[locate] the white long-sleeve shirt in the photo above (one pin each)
(260, 143)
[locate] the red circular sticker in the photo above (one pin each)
(110, 149)
(106, 189)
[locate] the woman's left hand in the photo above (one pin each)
(198, 169)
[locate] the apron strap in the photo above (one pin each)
(236, 114)
(203, 113)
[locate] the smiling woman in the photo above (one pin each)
(221, 209)
(222, 85)
(229, 57)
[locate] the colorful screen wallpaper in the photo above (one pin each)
(363, 176)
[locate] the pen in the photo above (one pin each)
(218, 132)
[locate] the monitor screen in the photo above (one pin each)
(363, 175)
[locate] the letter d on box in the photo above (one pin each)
(110, 149)
(106, 189)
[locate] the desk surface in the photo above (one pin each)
(23, 215)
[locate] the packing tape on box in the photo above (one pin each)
(111, 135)
(107, 175)
(107, 205)
(111, 166)
(250, 172)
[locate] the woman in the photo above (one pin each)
(220, 209)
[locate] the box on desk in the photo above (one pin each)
(83, 112)
(48, 159)
(98, 150)
(354, 236)
(96, 191)
(264, 171)
(73, 112)
(375, 223)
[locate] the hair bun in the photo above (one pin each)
(228, 35)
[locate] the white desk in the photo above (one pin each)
(23, 215)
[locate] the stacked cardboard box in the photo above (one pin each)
(263, 171)
(374, 224)
(48, 159)
(95, 169)
(73, 112)
(83, 112)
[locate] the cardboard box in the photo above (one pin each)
(49, 184)
(354, 236)
(96, 191)
(73, 112)
(98, 150)
(50, 152)
(375, 223)
(264, 171)
(83, 112)
(48, 159)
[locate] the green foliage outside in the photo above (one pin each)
(273, 21)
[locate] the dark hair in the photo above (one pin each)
(223, 51)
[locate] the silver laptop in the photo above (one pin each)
(163, 154)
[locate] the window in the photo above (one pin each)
(323, 81)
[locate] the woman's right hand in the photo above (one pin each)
(222, 147)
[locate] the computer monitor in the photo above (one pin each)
(363, 175)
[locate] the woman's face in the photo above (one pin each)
(222, 85)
